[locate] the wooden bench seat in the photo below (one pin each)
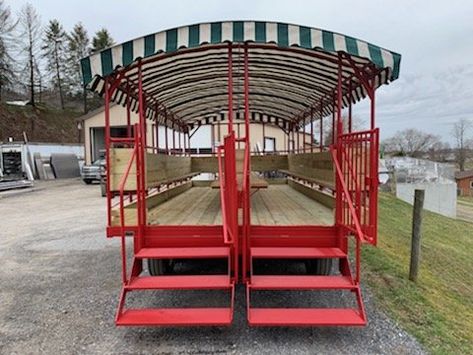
(255, 182)
(327, 184)
(175, 179)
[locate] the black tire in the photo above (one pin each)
(103, 188)
(158, 267)
(321, 267)
(87, 181)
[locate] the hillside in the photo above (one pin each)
(41, 124)
(438, 310)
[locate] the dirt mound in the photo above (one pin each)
(41, 124)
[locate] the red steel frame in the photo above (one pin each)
(355, 157)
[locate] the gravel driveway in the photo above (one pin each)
(60, 281)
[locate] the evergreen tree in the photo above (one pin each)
(7, 26)
(102, 40)
(78, 47)
(54, 51)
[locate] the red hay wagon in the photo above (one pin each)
(243, 224)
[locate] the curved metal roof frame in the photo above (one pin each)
(293, 72)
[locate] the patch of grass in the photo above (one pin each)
(438, 309)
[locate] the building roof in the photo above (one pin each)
(292, 70)
(463, 174)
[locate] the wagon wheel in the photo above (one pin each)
(158, 267)
(319, 266)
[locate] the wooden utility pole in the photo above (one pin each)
(416, 234)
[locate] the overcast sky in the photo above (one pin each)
(435, 39)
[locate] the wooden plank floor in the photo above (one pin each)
(276, 205)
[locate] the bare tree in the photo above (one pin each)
(460, 132)
(54, 51)
(30, 25)
(7, 26)
(411, 142)
(439, 151)
(328, 129)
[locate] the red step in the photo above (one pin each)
(296, 282)
(180, 282)
(305, 317)
(296, 253)
(183, 253)
(175, 317)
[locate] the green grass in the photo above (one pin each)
(438, 309)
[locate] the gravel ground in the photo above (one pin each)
(60, 281)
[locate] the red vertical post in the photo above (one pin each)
(312, 130)
(188, 143)
(212, 137)
(350, 97)
(166, 143)
(179, 142)
(333, 122)
(141, 203)
(157, 136)
(264, 140)
(247, 168)
(173, 139)
(321, 127)
(152, 136)
(184, 142)
(128, 114)
(293, 140)
(297, 130)
(339, 98)
(107, 150)
(372, 96)
(230, 89)
(304, 138)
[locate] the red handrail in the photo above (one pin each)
(351, 207)
(227, 234)
(121, 187)
(358, 231)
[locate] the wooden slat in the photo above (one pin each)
(151, 202)
(319, 196)
(160, 168)
(258, 163)
(317, 166)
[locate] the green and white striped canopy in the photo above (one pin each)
(285, 80)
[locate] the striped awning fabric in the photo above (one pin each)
(284, 79)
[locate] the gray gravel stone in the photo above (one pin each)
(60, 281)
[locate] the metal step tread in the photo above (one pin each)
(296, 252)
(188, 282)
(305, 317)
(184, 253)
(175, 316)
(300, 282)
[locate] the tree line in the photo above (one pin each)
(37, 57)
(415, 143)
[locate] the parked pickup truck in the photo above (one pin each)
(93, 172)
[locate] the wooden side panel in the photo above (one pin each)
(318, 166)
(269, 162)
(119, 158)
(258, 163)
(204, 164)
(131, 217)
(323, 198)
(160, 168)
(165, 167)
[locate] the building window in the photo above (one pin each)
(269, 144)
(471, 184)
